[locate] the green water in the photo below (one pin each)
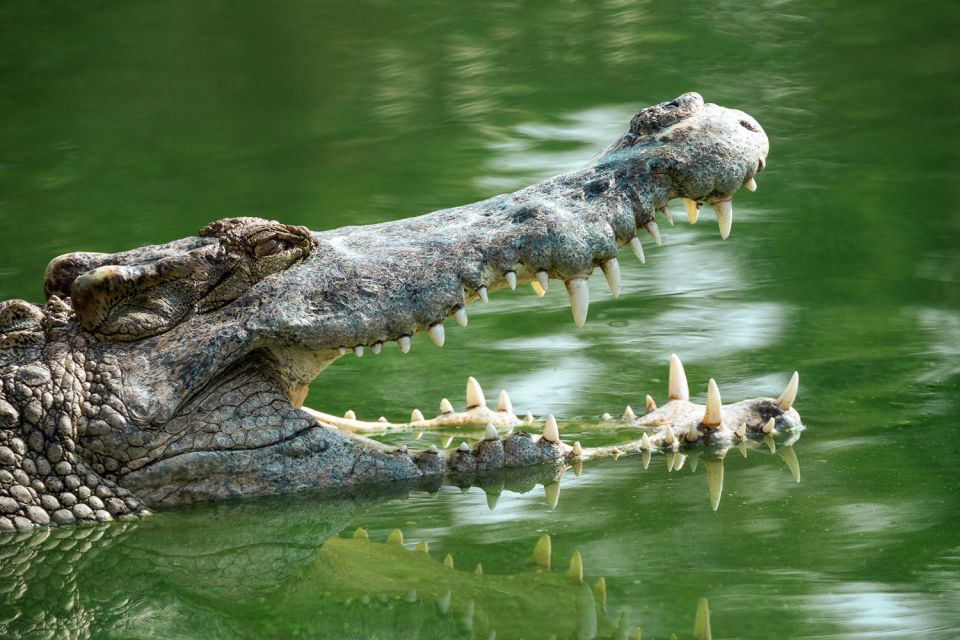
(129, 123)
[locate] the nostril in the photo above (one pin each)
(761, 165)
(749, 126)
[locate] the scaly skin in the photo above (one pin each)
(177, 372)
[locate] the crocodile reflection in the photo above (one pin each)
(190, 574)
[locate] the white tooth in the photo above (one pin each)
(650, 404)
(433, 448)
(669, 216)
(579, 291)
(750, 184)
(713, 416)
(503, 403)
(342, 350)
(350, 415)
(724, 210)
(611, 271)
(628, 414)
(358, 351)
(644, 443)
(693, 210)
(416, 415)
(404, 343)
(474, 394)
(544, 279)
(445, 406)
(677, 388)
(693, 434)
(742, 431)
(654, 232)
(769, 426)
(550, 431)
(606, 417)
(537, 289)
(511, 277)
(669, 437)
(437, 334)
(460, 315)
(482, 292)
(377, 348)
(382, 419)
(490, 433)
(528, 419)
(637, 249)
(789, 395)
(463, 447)
(577, 450)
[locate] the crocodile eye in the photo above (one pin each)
(269, 248)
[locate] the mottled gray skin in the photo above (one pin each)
(175, 373)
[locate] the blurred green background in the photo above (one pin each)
(129, 123)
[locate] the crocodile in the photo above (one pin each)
(178, 372)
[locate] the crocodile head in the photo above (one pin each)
(195, 356)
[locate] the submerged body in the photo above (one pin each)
(178, 372)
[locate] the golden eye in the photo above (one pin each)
(269, 247)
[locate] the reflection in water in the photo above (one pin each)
(306, 577)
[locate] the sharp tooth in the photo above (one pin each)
(503, 403)
(769, 426)
(606, 417)
(668, 215)
(437, 334)
(416, 415)
(693, 434)
(358, 351)
(651, 405)
(511, 277)
(701, 625)
(490, 433)
(678, 389)
(474, 394)
(404, 343)
(445, 406)
(350, 415)
(395, 537)
(579, 291)
(576, 567)
(714, 470)
(611, 271)
(433, 449)
(637, 249)
(742, 431)
(577, 450)
(460, 315)
(628, 414)
(550, 431)
(654, 232)
(750, 184)
(542, 552)
(644, 443)
(447, 442)
(669, 437)
(693, 210)
(377, 348)
(482, 292)
(552, 493)
(537, 289)
(528, 419)
(789, 395)
(713, 416)
(463, 447)
(342, 350)
(543, 281)
(382, 419)
(645, 458)
(724, 210)
(771, 443)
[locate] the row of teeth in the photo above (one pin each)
(577, 287)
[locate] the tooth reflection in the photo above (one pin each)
(714, 472)
(789, 456)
